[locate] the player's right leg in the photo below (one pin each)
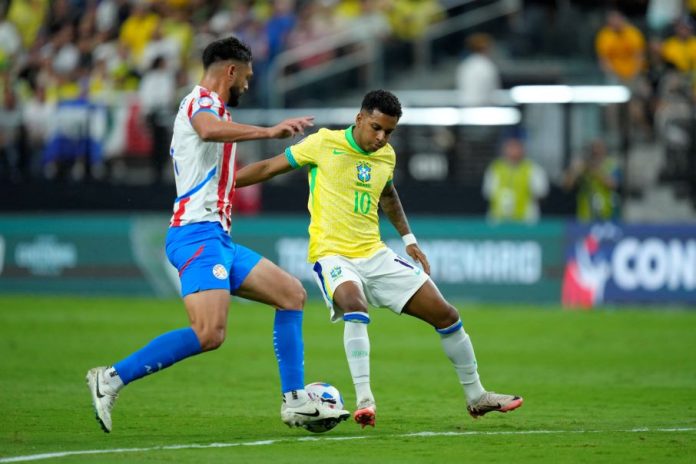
(267, 283)
(350, 298)
(207, 312)
(343, 293)
(201, 256)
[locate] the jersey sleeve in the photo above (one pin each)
(305, 152)
(205, 104)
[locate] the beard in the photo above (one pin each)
(235, 95)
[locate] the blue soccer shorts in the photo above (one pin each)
(207, 258)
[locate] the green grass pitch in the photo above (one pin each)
(604, 386)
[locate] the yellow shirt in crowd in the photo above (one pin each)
(623, 50)
(680, 53)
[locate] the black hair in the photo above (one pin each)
(230, 48)
(382, 100)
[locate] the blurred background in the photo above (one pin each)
(547, 152)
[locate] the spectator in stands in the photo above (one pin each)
(514, 184)
(10, 124)
(137, 30)
(10, 40)
(679, 50)
(410, 18)
(87, 40)
(36, 120)
(596, 178)
(157, 96)
(28, 16)
(60, 15)
(477, 75)
(366, 18)
(621, 50)
(111, 14)
(620, 47)
(177, 27)
(163, 46)
(313, 24)
(63, 51)
(230, 15)
(279, 25)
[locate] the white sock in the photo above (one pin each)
(295, 398)
(112, 381)
(460, 351)
(357, 345)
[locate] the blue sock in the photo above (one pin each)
(289, 349)
(161, 352)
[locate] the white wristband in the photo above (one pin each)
(409, 239)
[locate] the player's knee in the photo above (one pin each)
(353, 305)
(213, 341)
(294, 297)
(210, 338)
(448, 316)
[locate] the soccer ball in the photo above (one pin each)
(328, 395)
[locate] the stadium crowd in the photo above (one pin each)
(107, 52)
(115, 70)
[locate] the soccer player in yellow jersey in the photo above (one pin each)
(350, 174)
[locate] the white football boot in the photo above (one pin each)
(312, 411)
(103, 397)
(491, 401)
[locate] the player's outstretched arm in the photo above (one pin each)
(212, 129)
(262, 170)
(391, 205)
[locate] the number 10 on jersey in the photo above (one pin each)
(362, 202)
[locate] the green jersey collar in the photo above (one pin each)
(353, 143)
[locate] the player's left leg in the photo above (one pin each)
(429, 305)
(268, 283)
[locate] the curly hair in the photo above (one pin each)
(382, 100)
(230, 48)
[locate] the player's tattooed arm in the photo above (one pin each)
(391, 205)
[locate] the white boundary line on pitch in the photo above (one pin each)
(61, 454)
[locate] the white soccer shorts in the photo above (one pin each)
(387, 279)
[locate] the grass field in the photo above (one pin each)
(605, 386)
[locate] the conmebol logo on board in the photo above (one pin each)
(612, 263)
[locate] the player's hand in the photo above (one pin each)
(418, 256)
(291, 127)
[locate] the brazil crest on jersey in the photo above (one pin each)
(345, 184)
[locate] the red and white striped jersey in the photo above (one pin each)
(204, 171)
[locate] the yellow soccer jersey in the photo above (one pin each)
(345, 184)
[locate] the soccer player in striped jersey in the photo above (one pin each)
(350, 174)
(210, 265)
